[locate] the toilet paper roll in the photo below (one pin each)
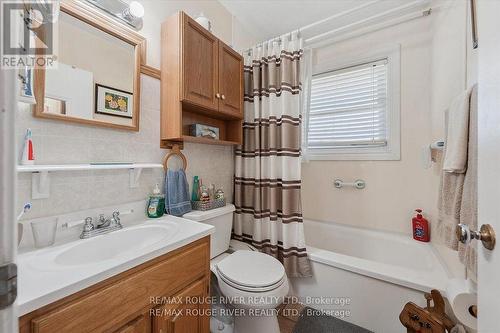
(461, 300)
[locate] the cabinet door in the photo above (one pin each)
(230, 80)
(138, 325)
(199, 65)
(184, 314)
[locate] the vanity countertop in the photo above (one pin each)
(47, 275)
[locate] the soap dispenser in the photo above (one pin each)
(420, 225)
(156, 204)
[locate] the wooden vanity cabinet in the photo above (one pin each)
(184, 317)
(201, 82)
(130, 302)
(138, 325)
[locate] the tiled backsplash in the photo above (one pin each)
(59, 142)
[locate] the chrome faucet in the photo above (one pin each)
(103, 222)
(103, 226)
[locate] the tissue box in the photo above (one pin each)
(204, 131)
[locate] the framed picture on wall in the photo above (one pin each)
(113, 102)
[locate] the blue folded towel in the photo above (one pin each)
(177, 193)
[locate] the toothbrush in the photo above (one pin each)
(26, 208)
(28, 157)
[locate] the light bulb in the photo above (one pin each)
(135, 9)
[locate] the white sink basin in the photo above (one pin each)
(114, 244)
(74, 264)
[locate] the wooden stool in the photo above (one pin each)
(431, 319)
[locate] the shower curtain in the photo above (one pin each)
(267, 173)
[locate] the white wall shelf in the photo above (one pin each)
(40, 179)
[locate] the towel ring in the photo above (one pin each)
(175, 151)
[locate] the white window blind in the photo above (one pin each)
(348, 108)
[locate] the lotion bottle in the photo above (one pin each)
(420, 227)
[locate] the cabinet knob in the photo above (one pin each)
(217, 95)
(223, 97)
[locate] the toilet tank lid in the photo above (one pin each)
(199, 215)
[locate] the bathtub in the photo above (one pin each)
(366, 276)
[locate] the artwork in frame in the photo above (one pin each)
(113, 102)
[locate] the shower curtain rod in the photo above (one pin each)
(304, 28)
(398, 20)
(320, 40)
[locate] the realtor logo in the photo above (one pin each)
(28, 33)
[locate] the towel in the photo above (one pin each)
(454, 168)
(468, 208)
(177, 193)
(457, 134)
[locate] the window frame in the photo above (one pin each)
(389, 152)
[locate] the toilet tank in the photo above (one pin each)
(222, 220)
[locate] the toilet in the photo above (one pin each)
(254, 282)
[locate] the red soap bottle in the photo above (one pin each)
(420, 226)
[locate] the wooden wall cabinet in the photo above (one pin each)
(230, 81)
(122, 304)
(199, 65)
(201, 82)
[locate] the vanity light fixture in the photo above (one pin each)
(134, 11)
(131, 13)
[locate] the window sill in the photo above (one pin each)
(353, 156)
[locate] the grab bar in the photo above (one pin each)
(358, 183)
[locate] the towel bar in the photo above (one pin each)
(358, 183)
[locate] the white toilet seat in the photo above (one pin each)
(251, 271)
(250, 281)
(249, 288)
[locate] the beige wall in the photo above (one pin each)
(393, 188)
(434, 69)
(448, 58)
(454, 67)
(63, 143)
(60, 142)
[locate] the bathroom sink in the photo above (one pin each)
(74, 264)
(115, 244)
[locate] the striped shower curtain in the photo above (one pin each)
(267, 173)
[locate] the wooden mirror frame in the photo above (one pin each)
(92, 16)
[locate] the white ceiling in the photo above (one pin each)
(266, 19)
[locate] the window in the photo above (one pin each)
(354, 112)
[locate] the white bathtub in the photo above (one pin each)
(377, 271)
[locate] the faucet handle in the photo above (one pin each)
(116, 217)
(88, 226)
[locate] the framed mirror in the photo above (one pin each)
(96, 80)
